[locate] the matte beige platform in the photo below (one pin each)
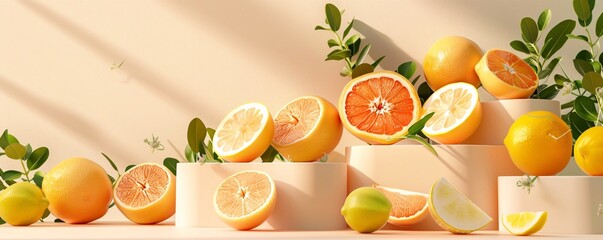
(472, 169)
(309, 195)
(574, 203)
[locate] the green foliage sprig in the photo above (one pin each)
(31, 160)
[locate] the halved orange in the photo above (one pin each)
(458, 113)
(408, 207)
(505, 75)
(146, 193)
(379, 107)
(245, 199)
(306, 129)
(244, 134)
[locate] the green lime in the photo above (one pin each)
(22, 204)
(366, 209)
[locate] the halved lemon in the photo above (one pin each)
(408, 207)
(505, 75)
(306, 129)
(244, 134)
(524, 223)
(453, 211)
(245, 199)
(458, 113)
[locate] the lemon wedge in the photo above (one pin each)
(453, 211)
(524, 223)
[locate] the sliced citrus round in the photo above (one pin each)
(245, 199)
(379, 107)
(306, 129)
(453, 211)
(408, 207)
(524, 223)
(457, 113)
(505, 75)
(146, 193)
(244, 134)
(451, 59)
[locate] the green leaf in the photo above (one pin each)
(596, 66)
(337, 55)
(318, 27)
(345, 72)
(7, 139)
(544, 19)
(110, 162)
(45, 214)
(362, 69)
(28, 151)
(549, 68)
(170, 163)
(585, 23)
(112, 179)
(414, 81)
(557, 37)
(58, 220)
(333, 16)
(584, 55)
(419, 125)
(347, 30)
(579, 37)
(407, 69)
(363, 54)
(567, 105)
(591, 81)
(11, 175)
(529, 30)
(189, 154)
(130, 167)
(196, 134)
(560, 79)
(549, 92)
(269, 154)
(2, 221)
(533, 63)
(578, 125)
(519, 46)
(38, 178)
(424, 143)
(585, 108)
(332, 43)
(583, 66)
(38, 157)
(15, 151)
(601, 58)
(376, 63)
(353, 44)
(424, 92)
(532, 49)
(582, 9)
(2, 186)
(599, 26)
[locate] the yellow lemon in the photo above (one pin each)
(540, 143)
(22, 204)
(588, 151)
(524, 223)
(366, 209)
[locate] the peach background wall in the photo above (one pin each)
(187, 59)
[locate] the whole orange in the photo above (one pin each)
(78, 190)
(452, 59)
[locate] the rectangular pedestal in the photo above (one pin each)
(309, 195)
(472, 169)
(574, 203)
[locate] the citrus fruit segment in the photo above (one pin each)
(244, 134)
(408, 207)
(246, 199)
(524, 223)
(146, 193)
(78, 190)
(22, 204)
(505, 75)
(453, 211)
(306, 129)
(366, 209)
(451, 59)
(379, 107)
(458, 113)
(533, 132)
(588, 151)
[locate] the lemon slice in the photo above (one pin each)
(458, 113)
(524, 223)
(244, 134)
(453, 211)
